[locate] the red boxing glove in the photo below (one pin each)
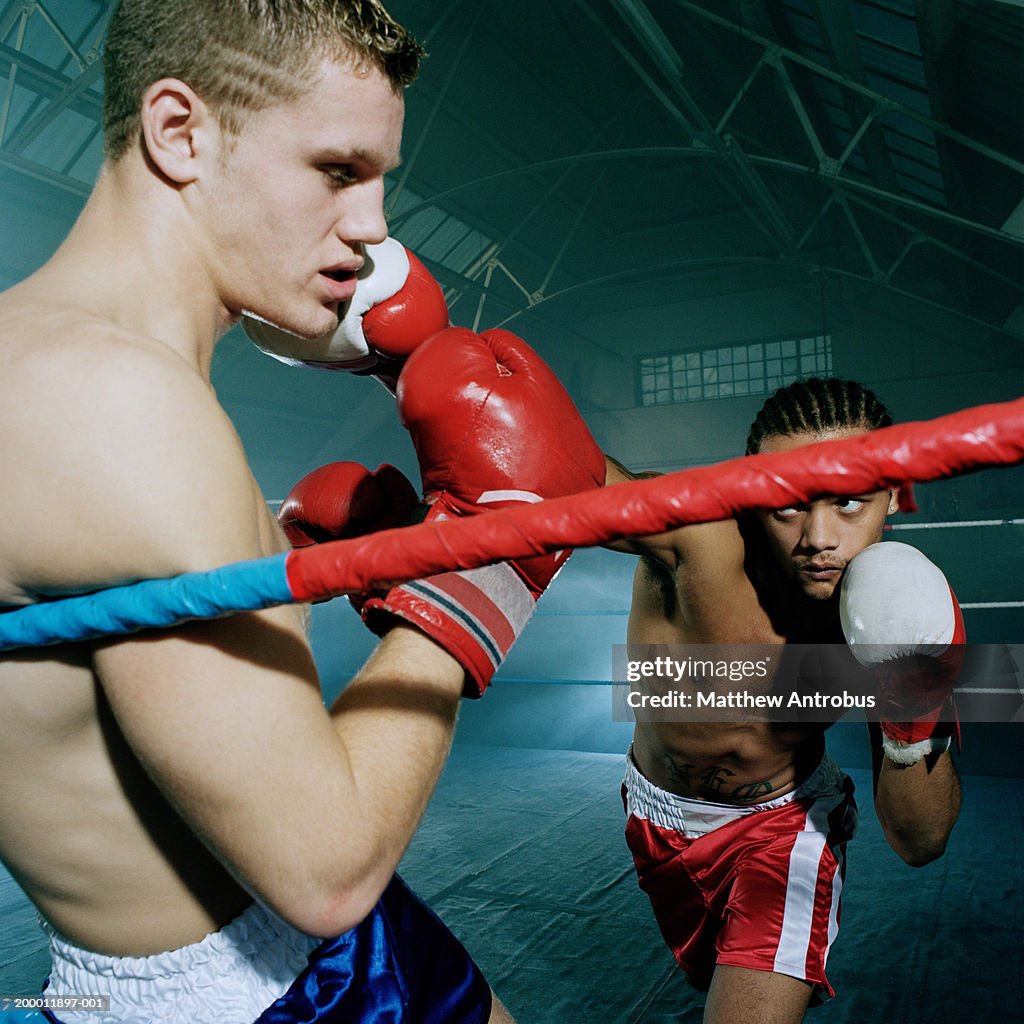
(344, 499)
(902, 620)
(491, 425)
(397, 305)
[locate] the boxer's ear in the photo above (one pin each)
(176, 125)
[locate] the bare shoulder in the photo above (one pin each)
(702, 593)
(719, 542)
(708, 557)
(119, 460)
(715, 549)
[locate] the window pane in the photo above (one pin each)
(723, 372)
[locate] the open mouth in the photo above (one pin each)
(340, 276)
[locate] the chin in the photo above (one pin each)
(313, 322)
(817, 591)
(304, 329)
(312, 332)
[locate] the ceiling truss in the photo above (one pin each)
(67, 81)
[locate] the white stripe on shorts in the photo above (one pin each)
(801, 885)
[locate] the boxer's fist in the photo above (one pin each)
(344, 499)
(492, 426)
(397, 305)
(902, 621)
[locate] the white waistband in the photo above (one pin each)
(693, 817)
(229, 977)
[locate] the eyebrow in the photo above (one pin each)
(371, 157)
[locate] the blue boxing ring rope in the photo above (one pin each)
(984, 436)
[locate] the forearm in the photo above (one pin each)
(396, 720)
(918, 805)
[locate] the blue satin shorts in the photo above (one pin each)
(400, 965)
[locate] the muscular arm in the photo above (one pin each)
(690, 583)
(670, 549)
(310, 810)
(917, 805)
(665, 548)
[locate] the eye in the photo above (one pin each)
(340, 177)
(849, 505)
(786, 513)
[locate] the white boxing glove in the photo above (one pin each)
(902, 621)
(397, 305)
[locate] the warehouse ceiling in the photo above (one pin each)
(571, 155)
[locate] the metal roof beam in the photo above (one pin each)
(886, 104)
(49, 83)
(659, 93)
(29, 132)
(767, 216)
(935, 27)
(835, 25)
(31, 169)
(12, 78)
(12, 12)
(686, 266)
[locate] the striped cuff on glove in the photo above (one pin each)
(476, 615)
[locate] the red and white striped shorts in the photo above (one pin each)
(755, 886)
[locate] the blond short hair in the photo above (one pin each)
(241, 56)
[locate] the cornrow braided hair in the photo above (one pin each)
(815, 405)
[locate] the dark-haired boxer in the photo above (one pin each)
(738, 829)
(203, 839)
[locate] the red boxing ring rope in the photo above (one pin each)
(988, 435)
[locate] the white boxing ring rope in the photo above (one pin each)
(954, 525)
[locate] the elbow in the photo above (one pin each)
(918, 849)
(920, 857)
(918, 838)
(327, 911)
(341, 913)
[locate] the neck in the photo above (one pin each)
(134, 258)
